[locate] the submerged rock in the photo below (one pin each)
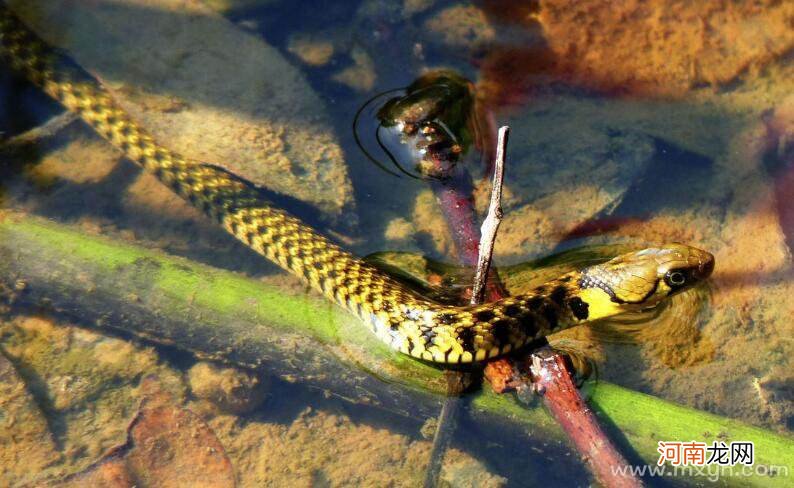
(776, 396)
(570, 166)
(205, 89)
(361, 75)
(663, 47)
(166, 446)
(461, 27)
(314, 51)
(230, 389)
(86, 383)
(323, 448)
(26, 444)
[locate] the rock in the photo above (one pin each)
(461, 27)
(112, 473)
(205, 89)
(428, 429)
(26, 444)
(321, 447)
(432, 232)
(314, 52)
(229, 389)
(469, 473)
(574, 167)
(657, 48)
(776, 395)
(413, 7)
(399, 229)
(361, 76)
(88, 383)
(166, 446)
(663, 47)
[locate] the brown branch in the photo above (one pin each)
(544, 371)
(551, 378)
(455, 197)
(550, 375)
(491, 224)
(447, 420)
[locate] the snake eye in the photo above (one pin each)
(675, 278)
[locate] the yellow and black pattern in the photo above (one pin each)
(398, 316)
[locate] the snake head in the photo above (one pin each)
(642, 279)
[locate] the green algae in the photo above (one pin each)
(244, 310)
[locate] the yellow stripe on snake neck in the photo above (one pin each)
(406, 321)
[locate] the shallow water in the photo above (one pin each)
(632, 125)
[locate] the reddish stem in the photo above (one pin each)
(551, 378)
(554, 377)
(455, 196)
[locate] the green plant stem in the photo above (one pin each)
(300, 337)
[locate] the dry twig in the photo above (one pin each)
(550, 374)
(452, 405)
(491, 224)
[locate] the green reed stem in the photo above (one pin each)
(300, 337)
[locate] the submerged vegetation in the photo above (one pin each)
(293, 337)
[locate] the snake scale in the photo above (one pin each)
(398, 316)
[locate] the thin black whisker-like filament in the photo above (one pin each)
(357, 139)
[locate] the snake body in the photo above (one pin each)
(398, 316)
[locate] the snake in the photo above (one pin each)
(398, 315)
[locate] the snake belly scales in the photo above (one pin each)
(402, 318)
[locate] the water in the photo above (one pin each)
(631, 125)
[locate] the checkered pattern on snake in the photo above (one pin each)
(406, 321)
